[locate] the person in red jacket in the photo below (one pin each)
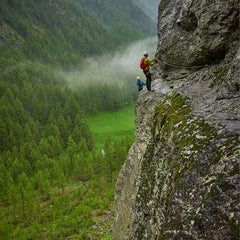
(145, 65)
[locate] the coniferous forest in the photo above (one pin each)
(54, 182)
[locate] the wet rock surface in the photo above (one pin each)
(181, 177)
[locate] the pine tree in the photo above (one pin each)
(62, 126)
(82, 130)
(16, 169)
(71, 147)
(42, 183)
(22, 188)
(62, 181)
(13, 196)
(20, 116)
(56, 147)
(71, 108)
(3, 134)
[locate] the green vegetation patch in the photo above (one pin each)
(82, 211)
(64, 33)
(9, 36)
(116, 125)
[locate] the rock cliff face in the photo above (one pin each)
(181, 177)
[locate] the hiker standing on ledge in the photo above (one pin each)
(145, 66)
(140, 84)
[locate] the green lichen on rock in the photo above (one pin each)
(170, 112)
(188, 175)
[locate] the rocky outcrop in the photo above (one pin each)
(181, 177)
(193, 32)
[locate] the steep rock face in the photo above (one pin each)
(193, 32)
(181, 177)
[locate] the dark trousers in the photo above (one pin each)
(148, 79)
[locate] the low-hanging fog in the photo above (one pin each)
(119, 67)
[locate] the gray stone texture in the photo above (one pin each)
(181, 177)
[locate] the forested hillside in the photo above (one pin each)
(122, 16)
(62, 32)
(45, 139)
(149, 7)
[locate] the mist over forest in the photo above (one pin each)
(120, 67)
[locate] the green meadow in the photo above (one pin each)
(116, 125)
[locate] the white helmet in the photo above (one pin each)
(138, 78)
(145, 53)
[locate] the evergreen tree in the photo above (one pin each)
(71, 147)
(42, 183)
(71, 108)
(17, 169)
(13, 196)
(62, 126)
(55, 147)
(82, 168)
(22, 189)
(62, 181)
(5, 182)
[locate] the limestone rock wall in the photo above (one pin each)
(181, 177)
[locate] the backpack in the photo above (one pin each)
(142, 65)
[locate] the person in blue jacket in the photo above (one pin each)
(140, 84)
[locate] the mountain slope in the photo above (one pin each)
(150, 7)
(60, 31)
(120, 14)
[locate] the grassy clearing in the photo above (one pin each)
(116, 125)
